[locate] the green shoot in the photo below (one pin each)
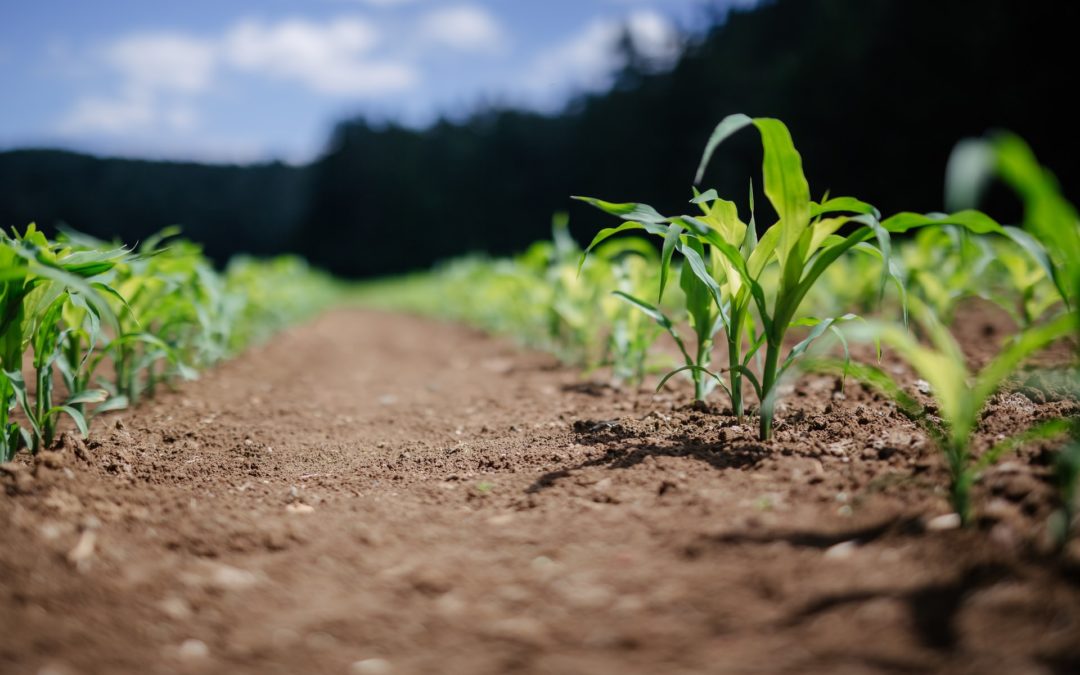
(959, 394)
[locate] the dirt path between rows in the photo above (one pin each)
(375, 493)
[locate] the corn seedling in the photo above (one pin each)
(40, 281)
(1051, 227)
(74, 304)
(631, 334)
(723, 263)
(958, 393)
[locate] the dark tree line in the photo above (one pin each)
(229, 209)
(876, 93)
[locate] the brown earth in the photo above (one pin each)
(376, 493)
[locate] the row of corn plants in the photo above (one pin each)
(753, 289)
(546, 299)
(717, 281)
(87, 327)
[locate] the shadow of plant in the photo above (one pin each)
(932, 607)
(720, 456)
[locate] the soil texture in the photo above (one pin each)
(379, 493)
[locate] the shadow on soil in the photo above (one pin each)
(720, 456)
(932, 607)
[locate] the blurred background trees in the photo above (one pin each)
(876, 93)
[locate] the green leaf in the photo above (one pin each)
(659, 317)
(1022, 345)
(75, 416)
(691, 367)
(785, 183)
(842, 205)
(976, 221)
(88, 396)
(727, 126)
(671, 239)
(700, 271)
(819, 326)
(1034, 248)
(970, 167)
(705, 197)
(751, 378)
(643, 213)
(604, 234)
(112, 404)
(649, 310)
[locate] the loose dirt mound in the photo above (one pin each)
(374, 493)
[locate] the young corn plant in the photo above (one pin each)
(1022, 287)
(959, 394)
(727, 259)
(1051, 237)
(944, 265)
(1051, 228)
(724, 259)
(631, 333)
(40, 279)
(173, 318)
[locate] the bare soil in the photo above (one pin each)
(377, 493)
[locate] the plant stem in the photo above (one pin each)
(8, 441)
(702, 361)
(768, 383)
(734, 374)
(42, 401)
(962, 479)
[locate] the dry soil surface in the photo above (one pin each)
(377, 493)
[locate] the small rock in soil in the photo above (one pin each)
(371, 667)
(949, 521)
(841, 551)
(222, 577)
(193, 650)
(176, 608)
(79, 556)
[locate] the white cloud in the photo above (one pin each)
(330, 58)
(109, 115)
(130, 113)
(588, 59)
(654, 36)
(163, 61)
(158, 76)
(466, 28)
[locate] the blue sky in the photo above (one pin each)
(247, 80)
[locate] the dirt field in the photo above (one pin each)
(374, 493)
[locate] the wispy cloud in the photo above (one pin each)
(132, 112)
(155, 74)
(163, 61)
(588, 59)
(467, 28)
(177, 88)
(329, 58)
